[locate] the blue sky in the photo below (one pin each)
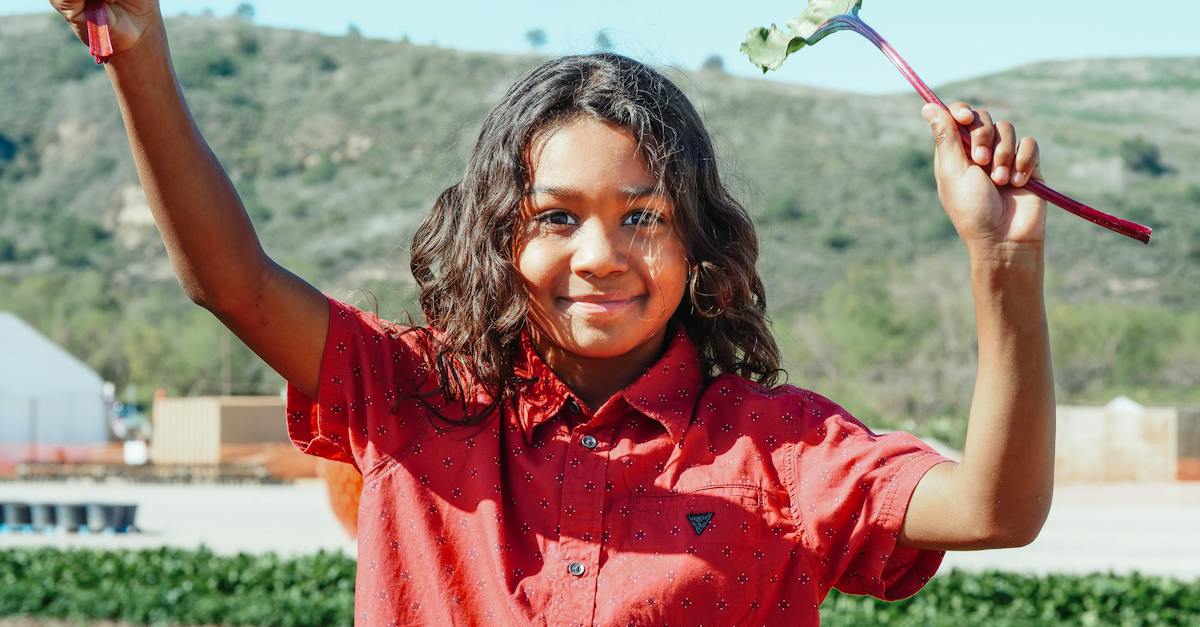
(943, 40)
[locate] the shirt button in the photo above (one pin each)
(576, 568)
(589, 442)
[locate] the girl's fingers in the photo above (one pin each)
(1006, 146)
(1028, 159)
(949, 155)
(1012, 162)
(983, 138)
(962, 113)
(982, 130)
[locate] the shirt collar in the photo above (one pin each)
(665, 392)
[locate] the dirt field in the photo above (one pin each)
(286, 519)
(1149, 528)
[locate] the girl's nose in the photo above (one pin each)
(598, 252)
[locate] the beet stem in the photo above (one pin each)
(99, 36)
(1127, 228)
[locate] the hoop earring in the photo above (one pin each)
(693, 307)
(689, 292)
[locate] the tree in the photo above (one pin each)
(353, 32)
(536, 38)
(8, 149)
(1140, 155)
(603, 43)
(244, 12)
(713, 63)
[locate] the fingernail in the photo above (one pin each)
(980, 153)
(927, 111)
(1018, 178)
(1000, 174)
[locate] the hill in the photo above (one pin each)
(338, 146)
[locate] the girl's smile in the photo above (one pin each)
(603, 306)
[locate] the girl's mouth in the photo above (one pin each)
(608, 307)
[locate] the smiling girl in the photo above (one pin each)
(588, 429)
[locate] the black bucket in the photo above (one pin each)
(99, 517)
(17, 516)
(72, 516)
(123, 517)
(43, 516)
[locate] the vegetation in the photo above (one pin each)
(1015, 600)
(338, 146)
(177, 586)
(1139, 155)
(169, 585)
(603, 42)
(536, 37)
(713, 63)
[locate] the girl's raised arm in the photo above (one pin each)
(209, 238)
(1000, 495)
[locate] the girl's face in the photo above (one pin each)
(602, 263)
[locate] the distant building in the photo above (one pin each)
(1125, 441)
(200, 430)
(47, 396)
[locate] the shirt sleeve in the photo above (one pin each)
(369, 367)
(853, 491)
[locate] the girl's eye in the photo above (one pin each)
(646, 216)
(556, 217)
(562, 218)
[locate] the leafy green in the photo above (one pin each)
(1000, 599)
(198, 587)
(170, 585)
(767, 48)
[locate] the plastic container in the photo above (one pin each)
(17, 516)
(71, 516)
(123, 517)
(99, 517)
(43, 516)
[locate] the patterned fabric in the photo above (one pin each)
(681, 501)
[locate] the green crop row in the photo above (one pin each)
(173, 586)
(998, 599)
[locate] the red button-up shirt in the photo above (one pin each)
(681, 501)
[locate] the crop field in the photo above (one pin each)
(262, 554)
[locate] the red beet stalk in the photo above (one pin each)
(1134, 230)
(99, 37)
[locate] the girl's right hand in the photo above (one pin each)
(128, 20)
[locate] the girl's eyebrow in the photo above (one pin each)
(629, 191)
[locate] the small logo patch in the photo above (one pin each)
(699, 521)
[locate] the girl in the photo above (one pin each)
(589, 430)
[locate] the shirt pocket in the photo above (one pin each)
(720, 518)
(703, 543)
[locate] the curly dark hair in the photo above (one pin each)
(462, 259)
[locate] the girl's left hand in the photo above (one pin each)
(989, 210)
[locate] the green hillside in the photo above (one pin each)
(339, 146)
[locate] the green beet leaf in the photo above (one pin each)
(767, 48)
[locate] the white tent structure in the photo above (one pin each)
(47, 396)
